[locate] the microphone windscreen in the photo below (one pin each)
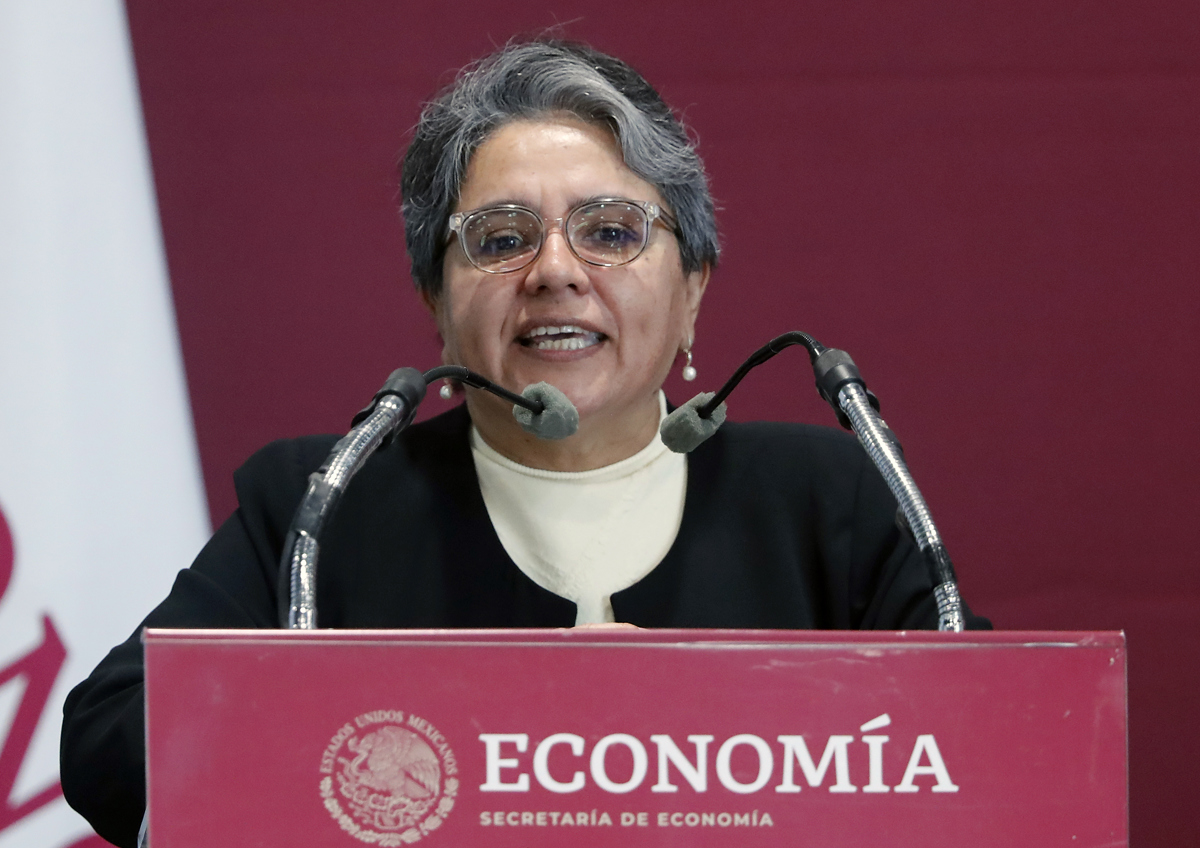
(558, 419)
(683, 430)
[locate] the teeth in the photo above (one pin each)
(553, 331)
(550, 337)
(577, 343)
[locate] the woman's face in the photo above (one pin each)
(606, 336)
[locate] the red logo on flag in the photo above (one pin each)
(39, 667)
(6, 554)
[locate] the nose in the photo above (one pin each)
(556, 267)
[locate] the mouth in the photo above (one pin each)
(559, 337)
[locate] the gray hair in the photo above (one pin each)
(535, 79)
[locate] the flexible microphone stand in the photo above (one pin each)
(857, 408)
(390, 411)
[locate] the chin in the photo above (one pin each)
(598, 406)
(596, 392)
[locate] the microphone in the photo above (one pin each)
(557, 418)
(408, 386)
(390, 411)
(841, 385)
(688, 426)
(541, 409)
(683, 430)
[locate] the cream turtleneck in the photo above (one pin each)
(584, 535)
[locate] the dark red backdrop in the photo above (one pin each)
(993, 207)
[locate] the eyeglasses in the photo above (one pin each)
(605, 232)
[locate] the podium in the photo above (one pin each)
(531, 738)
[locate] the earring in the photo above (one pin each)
(446, 392)
(689, 373)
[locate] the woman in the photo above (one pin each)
(560, 229)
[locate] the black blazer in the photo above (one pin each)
(784, 526)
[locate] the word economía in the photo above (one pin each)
(507, 773)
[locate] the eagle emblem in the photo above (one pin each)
(391, 783)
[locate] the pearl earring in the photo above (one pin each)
(446, 391)
(689, 373)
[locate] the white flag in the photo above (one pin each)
(100, 491)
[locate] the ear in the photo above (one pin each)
(695, 283)
(433, 303)
(430, 300)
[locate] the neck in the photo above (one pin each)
(602, 439)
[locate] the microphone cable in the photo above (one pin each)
(839, 384)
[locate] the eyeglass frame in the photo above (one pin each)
(653, 212)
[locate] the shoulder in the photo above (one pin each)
(448, 431)
(786, 435)
(800, 467)
(285, 458)
(785, 446)
(406, 477)
(293, 460)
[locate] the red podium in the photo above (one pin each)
(522, 739)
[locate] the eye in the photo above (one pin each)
(500, 243)
(496, 236)
(608, 235)
(609, 232)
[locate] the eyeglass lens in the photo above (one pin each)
(604, 233)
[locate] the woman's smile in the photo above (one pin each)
(559, 337)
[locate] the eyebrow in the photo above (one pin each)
(507, 201)
(517, 201)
